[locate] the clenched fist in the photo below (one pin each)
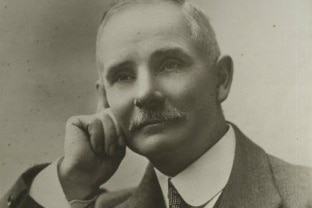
(94, 148)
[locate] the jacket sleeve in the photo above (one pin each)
(18, 195)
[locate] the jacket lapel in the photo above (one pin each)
(148, 194)
(251, 182)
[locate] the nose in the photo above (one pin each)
(149, 94)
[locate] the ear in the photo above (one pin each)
(102, 100)
(224, 73)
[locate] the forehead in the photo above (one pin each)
(140, 28)
(153, 17)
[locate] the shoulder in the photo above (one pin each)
(18, 193)
(294, 182)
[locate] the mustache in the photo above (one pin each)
(150, 116)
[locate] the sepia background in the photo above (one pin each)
(47, 73)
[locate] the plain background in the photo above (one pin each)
(47, 73)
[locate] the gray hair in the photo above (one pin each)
(200, 27)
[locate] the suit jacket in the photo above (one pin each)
(257, 180)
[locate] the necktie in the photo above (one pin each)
(175, 199)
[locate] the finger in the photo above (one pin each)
(79, 123)
(91, 127)
(119, 134)
(121, 140)
(111, 141)
(96, 133)
(77, 137)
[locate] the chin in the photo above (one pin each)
(151, 146)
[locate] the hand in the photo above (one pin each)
(94, 148)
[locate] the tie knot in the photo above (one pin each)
(176, 200)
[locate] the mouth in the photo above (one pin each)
(150, 123)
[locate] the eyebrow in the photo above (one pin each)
(114, 67)
(171, 51)
(158, 54)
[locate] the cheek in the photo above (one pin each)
(193, 92)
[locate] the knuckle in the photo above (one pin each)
(72, 120)
(95, 126)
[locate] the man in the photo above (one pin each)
(162, 80)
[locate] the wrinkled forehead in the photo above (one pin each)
(154, 19)
(139, 24)
(120, 5)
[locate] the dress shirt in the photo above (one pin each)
(205, 178)
(197, 184)
(47, 191)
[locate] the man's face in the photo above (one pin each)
(148, 56)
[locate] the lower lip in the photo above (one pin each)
(159, 127)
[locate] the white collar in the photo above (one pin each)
(205, 177)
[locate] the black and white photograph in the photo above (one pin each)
(155, 104)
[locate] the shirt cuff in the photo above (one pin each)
(47, 191)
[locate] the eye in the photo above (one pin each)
(123, 77)
(171, 65)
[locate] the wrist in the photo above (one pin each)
(76, 185)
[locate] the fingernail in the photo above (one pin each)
(112, 150)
